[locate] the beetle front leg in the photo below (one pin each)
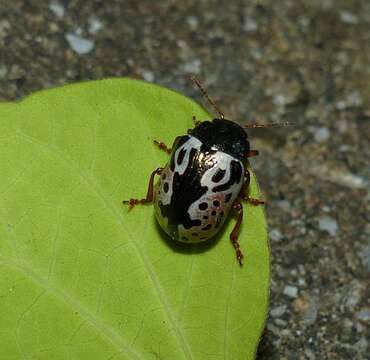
(237, 205)
(149, 195)
(163, 146)
(195, 121)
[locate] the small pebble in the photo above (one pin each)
(273, 329)
(278, 311)
(342, 126)
(275, 235)
(284, 205)
(347, 323)
(353, 99)
(362, 345)
(280, 322)
(95, 25)
(310, 354)
(353, 295)
(290, 291)
(344, 148)
(192, 22)
(303, 21)
(4, 27)
(300, 304)
(301, 269)
(3, 71)
(79, 44)
(307, 306)
(192, 66)
(16, 72)
(363, 315)
(322, 134)
(364, 254)
(250, 25)
(57, 9)
(280, 100)
(328, 224)
(359, 327)
(348, 18)
(286, 332)
(310, 315)
(147, 75)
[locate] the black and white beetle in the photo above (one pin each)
(206, 176)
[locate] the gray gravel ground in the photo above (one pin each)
(303, 60)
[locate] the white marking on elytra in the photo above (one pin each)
(165, 197)
(213, 213)
(192, 143)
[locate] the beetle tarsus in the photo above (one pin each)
(195, 121)
(252, 153)
(235, 232)
(253, 201)
(150, 193)
(162, 146)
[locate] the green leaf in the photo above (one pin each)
(83, 278)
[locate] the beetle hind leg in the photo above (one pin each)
(150, 193)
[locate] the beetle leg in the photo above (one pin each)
(163, 146)
(253, 201)
(195, 121)
(237, 205)
(149, 195)
(245, 189)
(251, 153)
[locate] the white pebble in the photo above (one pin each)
(275, 235)
(192, 66)
(284, 205)
(192, 22)
(354, 99)
(363, 315)
(362, 345)
(95, 25)
(57, 9)
(348, 18)
(279, 100)
(322, 134)
(364, 254)
(328, 224)
(280, 322)
(79, 44)
(250, 25)
(147, 75)
(290, 291)
(278, 311)
(3, 71)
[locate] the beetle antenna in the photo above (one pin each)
(205, 94)
(258, 125)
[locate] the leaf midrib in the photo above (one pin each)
(117, 215)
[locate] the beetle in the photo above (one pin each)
(207, 176)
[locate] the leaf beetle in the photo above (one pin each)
(207, 176)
